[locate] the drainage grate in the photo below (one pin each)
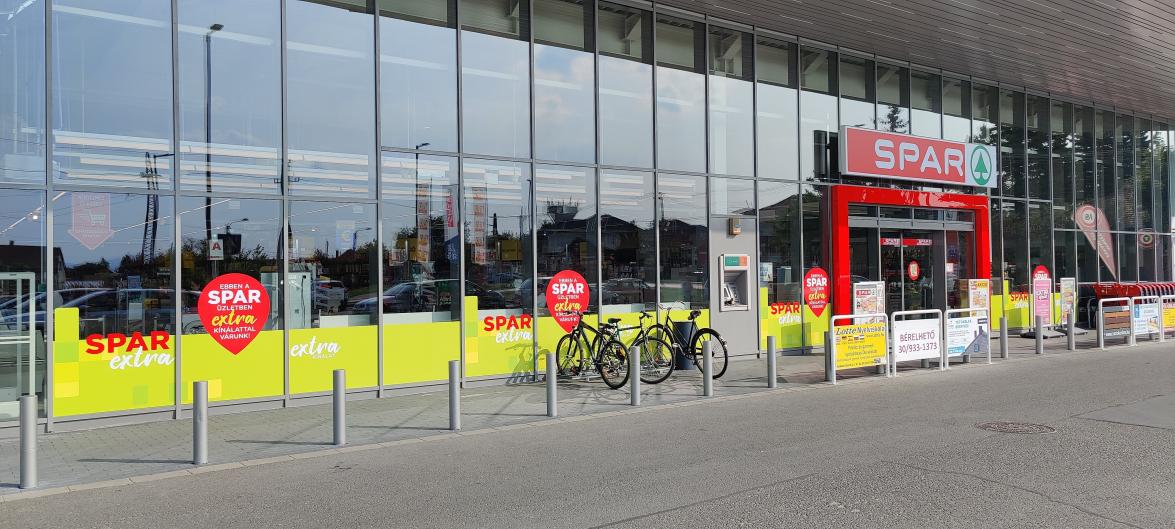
(1015, 427)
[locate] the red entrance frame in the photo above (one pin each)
(841, 196)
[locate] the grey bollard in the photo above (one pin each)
(1072, 323)
(772, 371)
(340, 407)
(28, 441)
(1003, 336)
(552, 389)
(707, 371)
(1039, 335)
(454, 395)
(634, 376)
(200, 423)
(829, 369)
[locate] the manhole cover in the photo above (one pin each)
(1015, 427)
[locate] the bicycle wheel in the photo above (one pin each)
(612, 363)
(568, 356)
(656, 359)
(718, 355)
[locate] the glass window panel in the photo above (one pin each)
(1160, 142)
(893, 98)
(1061, 153)
(495, 95)
(1144, 190)
(506, 18)
(22, 214)
(926, 104)
(818, 70)
(732, 196)
(418, 75)
(1016, 271)
(624, 32)
(421, 239)
(776, 122)
(1104, 136)
(1087, 260)
(1146, 257)
(626, 112)
(779, 252)
(985, 107)
(564, 104)
(1124, 136)
(330, 90)
(333, 266)
(230, 122)
(684, 241)
(22, 91)
(818, 136)
(1084, 165)
(1040, 237)
(566, 223)
(1038, 147)
(857, 93)
(628, 242)
(564, 23)
(956, 122)
(1012, 143)
(731, 54)
(1128, 253)
(681, 120)
(680, 43)
(98, 139)
(732, 123)
(257, 225)
(776, 61)
(1065, 255)
(997, 246)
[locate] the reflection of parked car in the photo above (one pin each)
(106, 311)
(628, 290)
(61, 297)
(430, 296)
(329, 295)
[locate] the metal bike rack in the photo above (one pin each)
(942, 350)
(947, 316)
(1140, 300)
(830, 342)
(1101, 319)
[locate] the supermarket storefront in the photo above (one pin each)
(385, 188)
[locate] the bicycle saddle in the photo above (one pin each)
(613, 320)
(694, 313)
(645, 314)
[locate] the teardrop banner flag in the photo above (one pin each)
(816, 291)
(234, 308)
(568, 295)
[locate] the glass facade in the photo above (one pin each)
(416, 172)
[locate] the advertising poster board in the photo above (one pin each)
(1116, 322)
(1169, 315)
(967, 336)
(917, 339)
(860, 345)
(1145, 320)
(1042, 294)
(869, 298)
(978, 294)
(1068, 297)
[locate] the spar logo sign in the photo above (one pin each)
(981, 166)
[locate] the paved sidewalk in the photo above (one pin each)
(91, 456)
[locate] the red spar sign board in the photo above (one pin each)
(867, 152)
(234, 309)
(816, 289)
(568, 295)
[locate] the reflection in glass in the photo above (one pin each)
(564, 104)
(779, 240)
(1063, 179)
(498, 254)
(1037, 135)
(1016, 270)
(732, 196)
(681, 120)
(330, 93)
(99, 139)
(814, 209)
(684, 232)
(893, 98)
(565, 198)
(418, 75)
(1083, 160)
(818, 136)
(421, 238)
(985, 106)
(495, 95)
(857, 93)
(230, 123)
(956, 122)
(818, 70)
(1144, 191)
(1040, 236)
(332, 264)
(1124, 136)
(22, 91)
(731, 126)
(628, 242)
(1104, 139)
(1128, 253)
(925, 104)
(776, 122)
(626, 112)
(1012, 143)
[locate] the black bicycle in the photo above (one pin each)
(666, 332)
(576, 353)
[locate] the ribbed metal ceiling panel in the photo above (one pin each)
(1113, 52)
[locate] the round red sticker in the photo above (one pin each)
(914, 270)
(234, 309)
(568, 295)
(816, 290)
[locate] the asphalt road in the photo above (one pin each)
(874, 453)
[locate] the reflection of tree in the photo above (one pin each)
(893, 119)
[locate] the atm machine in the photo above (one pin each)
(736, 282)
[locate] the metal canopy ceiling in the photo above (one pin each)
(1113, 52)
